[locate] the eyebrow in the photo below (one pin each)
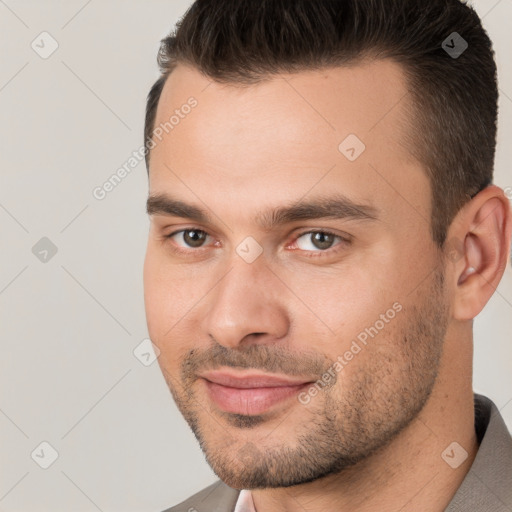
(324, 207)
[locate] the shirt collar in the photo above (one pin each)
(245, 502)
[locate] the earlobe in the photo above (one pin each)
(485, 227)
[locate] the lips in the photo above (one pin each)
(250, 393)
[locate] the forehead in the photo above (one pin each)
(288, 135)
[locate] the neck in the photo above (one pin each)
(410, 472)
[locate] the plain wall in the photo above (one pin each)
(69, 325)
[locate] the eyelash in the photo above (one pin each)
(308, 254)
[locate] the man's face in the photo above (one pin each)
(346, 306)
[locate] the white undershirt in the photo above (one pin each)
(244, 502)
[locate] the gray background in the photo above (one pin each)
(69, 325)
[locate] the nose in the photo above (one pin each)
(248, 305)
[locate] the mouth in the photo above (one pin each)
(250, 393)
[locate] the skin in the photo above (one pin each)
(372, 440)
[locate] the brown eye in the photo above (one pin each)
(189, 237)
(194, 238)
(316, 240)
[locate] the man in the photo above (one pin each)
(324, 229)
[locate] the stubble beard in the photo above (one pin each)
(341, 427)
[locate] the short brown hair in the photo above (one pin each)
(454, 97)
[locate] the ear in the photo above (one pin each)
(478, 248)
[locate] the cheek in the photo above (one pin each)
(171, 297)
(348, 302)
(161, 298)
(152, 291)
(370, 368)
(364, 314)
(350, 295)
